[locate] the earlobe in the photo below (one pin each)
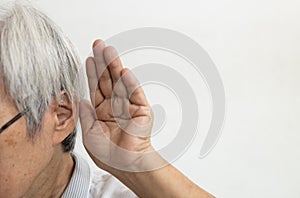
(66, 113)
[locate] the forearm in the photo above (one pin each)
(163, 182)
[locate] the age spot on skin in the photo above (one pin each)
(11, 143)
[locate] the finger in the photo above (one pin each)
(87, 116)
(105, 82)
(114, 63)
(98, 48)
(115, 67)
(135, 92)
(95, 93)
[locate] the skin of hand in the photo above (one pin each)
(117, 125)
(116, 129)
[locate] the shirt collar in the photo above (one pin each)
(80, 182)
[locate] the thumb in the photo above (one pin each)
(94, 140)
(87, 116)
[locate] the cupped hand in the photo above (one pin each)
(117, 124)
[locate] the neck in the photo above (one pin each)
(53, 181)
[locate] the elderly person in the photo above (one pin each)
(40, 103)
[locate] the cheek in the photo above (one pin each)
(21, 161)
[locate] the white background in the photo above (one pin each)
(255, 46)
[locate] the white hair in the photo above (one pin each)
(37, 62)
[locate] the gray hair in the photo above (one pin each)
(38, 62)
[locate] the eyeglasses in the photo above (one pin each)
(13, 120)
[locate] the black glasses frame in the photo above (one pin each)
(13, 120)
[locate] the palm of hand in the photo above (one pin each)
(117, 127)
(127, 125)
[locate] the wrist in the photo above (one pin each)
(148, 161)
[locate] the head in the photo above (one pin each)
(39, 71)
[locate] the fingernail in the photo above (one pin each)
(97, 42)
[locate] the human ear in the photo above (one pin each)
(66, 116)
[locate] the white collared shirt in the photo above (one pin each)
(89, 183)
